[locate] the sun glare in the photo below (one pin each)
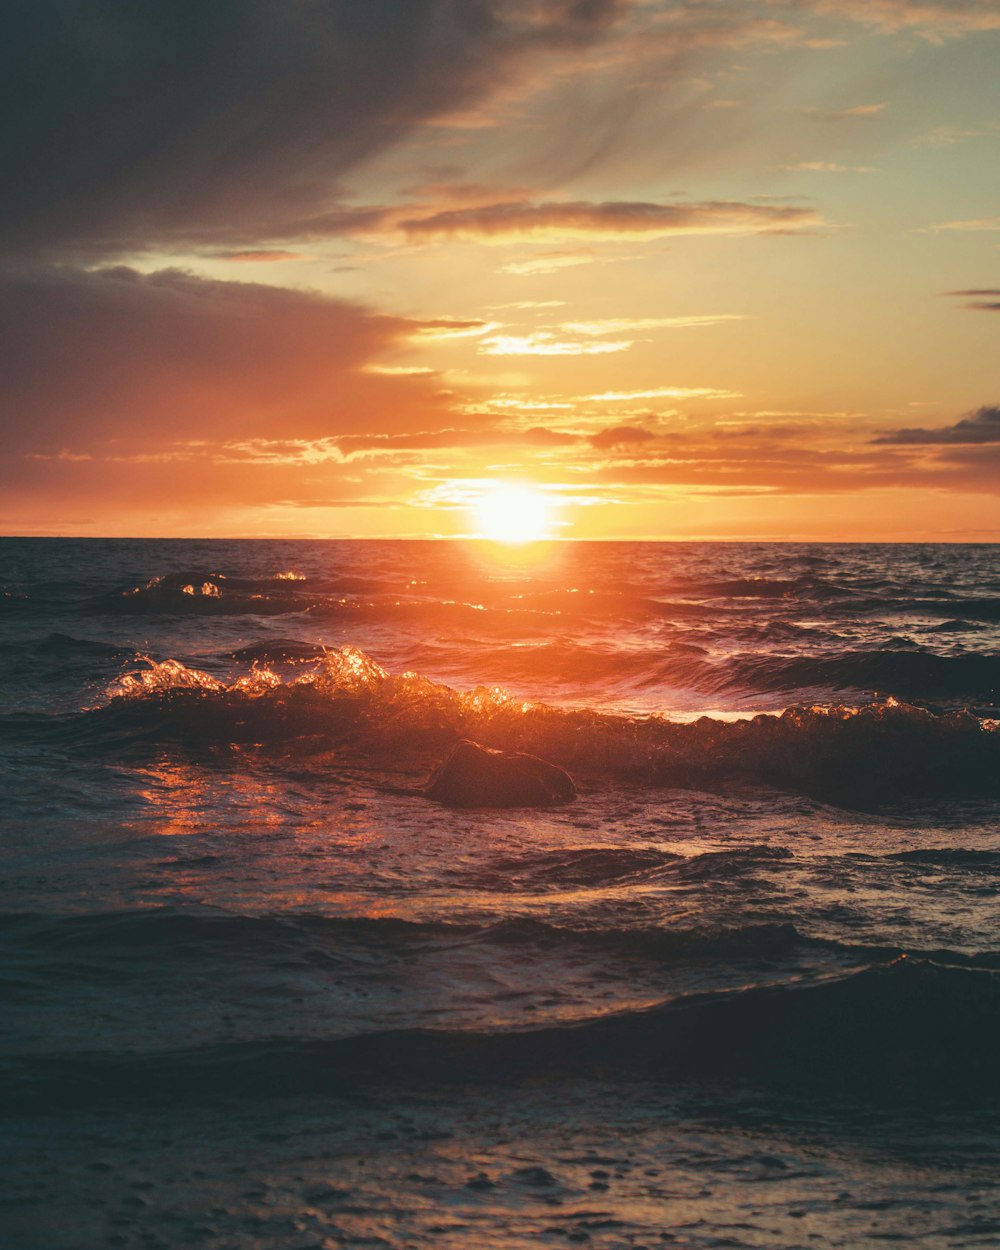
(512, 514)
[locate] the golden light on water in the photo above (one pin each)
(513, 513)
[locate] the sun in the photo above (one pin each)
(512, 513)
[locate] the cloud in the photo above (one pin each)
(548, 262)
(980, 300)
(447, 328)
(536, 436)
(979, 427)
(828, 167)
(857, 112)
(150, 359)
(657, 392)
(973, 224)
(544, 343)
(610, 221)
(621, 436)
(526, 305)
(948, 136)
(158, 121)
(626, 325)
(933, 19)
(260, 256)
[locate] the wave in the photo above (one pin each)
(604, 865)
(577, 665)
(198, 594)
(952, 857)
(279, 651)
(765, 588)
(348, 702)
(136, 935)
(911, 673)
(101, 941)
(966, 608)
(67, 646)
(911, 1029)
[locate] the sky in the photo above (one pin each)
(687, 269)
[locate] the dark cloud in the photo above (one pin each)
(134, 122)
(561, 219)
(92, 356)
(980, 300)
(981, 426)
(620, 436)
(260, 256)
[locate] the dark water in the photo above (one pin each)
(258, 991)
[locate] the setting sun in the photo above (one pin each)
(512, 513)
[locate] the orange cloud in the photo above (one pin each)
(657, 392)
(544, 343)
(625, 325)
(149, 360)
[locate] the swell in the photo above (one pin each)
(907, 673)
(117, 942)
(951, 606)
(910, 1029)
(136, 936)
(910, 673)
(203, 594)
(809, 587)
(598, 866)
(348, 704)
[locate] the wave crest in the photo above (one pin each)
(348, 701)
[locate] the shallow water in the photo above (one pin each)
(745, 990)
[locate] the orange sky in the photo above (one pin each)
(720, 269)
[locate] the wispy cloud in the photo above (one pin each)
(384, 444)
(935, 20)
(982, 300)
(829, 167)
(658, 392)
(544, 343)
(607, 221)
(629, 325)
(547, 262)
(948, 136)
(446, 328)
(853, 113)
(970, 225)
(260, 256)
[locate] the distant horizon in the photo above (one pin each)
(468, 538)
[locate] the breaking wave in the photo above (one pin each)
(349, 703)
(910, 673)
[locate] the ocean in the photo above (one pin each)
(260, 991)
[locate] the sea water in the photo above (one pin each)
(258, 991)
